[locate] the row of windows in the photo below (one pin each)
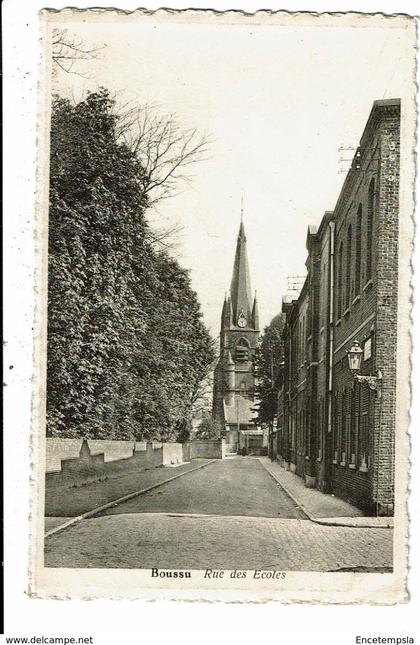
(353, 419)
(299, 436)
(349, 274)
(351, 259)
(300, 430)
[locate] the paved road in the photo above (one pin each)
(143, 541)
(245, 521)
(233, 487)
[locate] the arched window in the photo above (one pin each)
(357, 279)
(340, 280)
(369, 232)
(242, 350)
(348, 267)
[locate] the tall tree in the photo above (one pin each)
(208, 428)
(268, 370)
(165, 150)
(69, 50)
(127, 348)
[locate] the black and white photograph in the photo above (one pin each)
(223, 361)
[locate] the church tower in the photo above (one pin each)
(233, 393)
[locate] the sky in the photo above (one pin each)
(278, 102)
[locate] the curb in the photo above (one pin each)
(323, 522)
(289, 494)
(120, 500)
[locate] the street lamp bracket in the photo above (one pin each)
(373, 382)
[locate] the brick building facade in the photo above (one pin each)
(331, 429)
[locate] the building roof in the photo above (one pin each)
(240, 288)
(288, 298)
(379, 110)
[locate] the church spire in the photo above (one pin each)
(255, 314)
(227, 312)
(224, 310)
(240, 288)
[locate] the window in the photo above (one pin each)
(348, 267)
(343, 428)
(347, 439)
(295, 355)
(358, 251)
(354, 425)
(340, 281)
(364, 431)
(337, 421)
(300, 344)
(307, 433)
(242, 350)
(365, 420)
(303, 339)
(320, 428)
(293, 429)
(369, 232)
(300, 433)
(326, 287)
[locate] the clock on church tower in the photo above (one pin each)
(242, 321)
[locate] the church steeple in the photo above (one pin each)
(255, 314)
(234, 375)
(240, 287)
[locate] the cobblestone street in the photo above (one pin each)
(231, 514)
(230, 487)
(152, 540)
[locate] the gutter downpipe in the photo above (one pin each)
(331, 353)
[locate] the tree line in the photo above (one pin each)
(268, 369)
(127, 347)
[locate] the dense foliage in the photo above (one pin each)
(127, 348)
(208, 428)
(268, 370)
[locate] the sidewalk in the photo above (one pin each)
(320, 507)
(63, 506)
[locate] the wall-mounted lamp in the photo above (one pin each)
(354, 356)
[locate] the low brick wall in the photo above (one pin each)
(258, 452)
(210, 449)
(76, 462)
(58, 449)
(88, 466)
(186, 451)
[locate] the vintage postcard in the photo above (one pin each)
(222, 373)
